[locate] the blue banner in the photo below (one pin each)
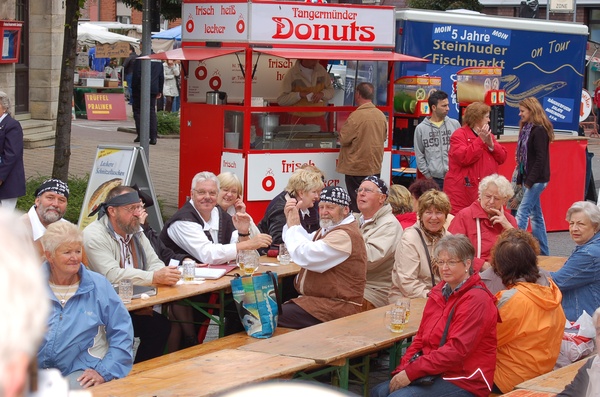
(549, 66)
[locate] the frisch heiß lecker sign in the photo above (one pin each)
(290, 23)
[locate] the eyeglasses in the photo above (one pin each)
(489, 197)
(132, 209)
(211, 193)
(450, 263)
(366, 190)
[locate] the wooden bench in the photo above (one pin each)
(554, 381)
(228, 342)
(206, 375)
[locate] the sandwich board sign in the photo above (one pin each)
(116, 165)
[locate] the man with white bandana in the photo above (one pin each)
(50, 206)
(382, 232)
(333, 259)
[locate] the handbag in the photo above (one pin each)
(258, 303)
(514, 202)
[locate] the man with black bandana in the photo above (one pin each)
(50, 206)
(117, 248)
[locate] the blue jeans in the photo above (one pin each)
(439, 388)
(128, 79)
(531, 209)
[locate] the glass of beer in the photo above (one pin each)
(251, 262)
(284, 255)
(395, 319)
(405, 303)
(189, 270)
(126, 290)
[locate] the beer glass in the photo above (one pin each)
(126, 290)
(189, 270)
(284, 255)
(251, 262)
(405, 303)
(395, 319)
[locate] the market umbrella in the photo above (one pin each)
(89, 34)
(169, 34)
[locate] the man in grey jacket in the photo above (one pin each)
(381, 232)
(117, 248)
(432, 139)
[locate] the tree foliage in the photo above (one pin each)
(443, 5)
(62, 147)
(170, 9)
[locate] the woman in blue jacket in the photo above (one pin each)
(90, 336)
(579, 278)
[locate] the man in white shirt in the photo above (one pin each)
(51, 199)
(204, 231)
(333, 259)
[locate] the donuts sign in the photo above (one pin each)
(289, 23)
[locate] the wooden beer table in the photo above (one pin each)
(335, 342)
(551, 263)
(166, 294)
(528, 393)
(205, 375)
(554, 381)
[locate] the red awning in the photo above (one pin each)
(193, 53)
(346, 55)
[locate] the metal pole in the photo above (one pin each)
(145, 89)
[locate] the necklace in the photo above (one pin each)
(63, 297)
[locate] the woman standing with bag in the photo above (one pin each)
(454, 351)
(533, 162)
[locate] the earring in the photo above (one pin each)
(467, 271)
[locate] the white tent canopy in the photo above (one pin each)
(89, 34)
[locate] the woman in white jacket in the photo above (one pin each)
(414, 273)
(170, 90)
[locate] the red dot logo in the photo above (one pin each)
(215, 83)
(268, 183)
(201, 72)
(189, 26)
(240, 26)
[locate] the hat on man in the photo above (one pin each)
(145, 197)
(52, 185)
(336, 195)
(379, 182)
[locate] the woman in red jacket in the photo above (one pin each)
(464, 364)
(474, 154)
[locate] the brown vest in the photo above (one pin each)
(338, 292)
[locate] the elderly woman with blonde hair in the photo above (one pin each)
(400, 200)
(486, 218)
(90, 336)
(414, 273)
(305, 186)
(230, 198)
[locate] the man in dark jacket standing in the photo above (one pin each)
(128, 65)
(12, 170)
(157, 79)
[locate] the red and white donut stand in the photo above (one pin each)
(235, 55)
